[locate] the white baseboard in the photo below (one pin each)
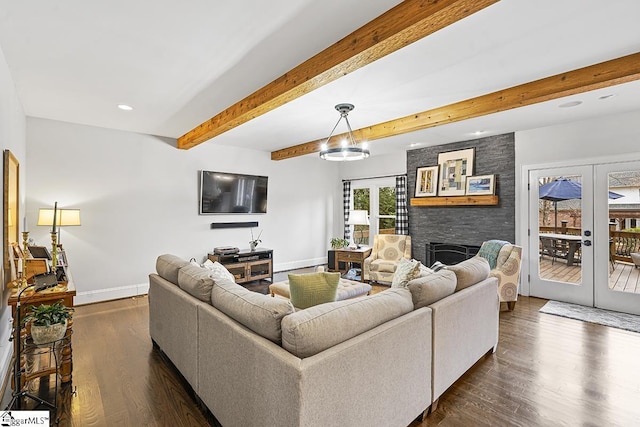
(286, 266)
(119, 292)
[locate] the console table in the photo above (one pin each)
(247, 265)
(66, 293)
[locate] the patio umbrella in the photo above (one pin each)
(564, 189)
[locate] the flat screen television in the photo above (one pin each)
(224, 193)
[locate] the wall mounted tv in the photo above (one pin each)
(223, 193)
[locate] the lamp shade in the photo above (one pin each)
(64, 217)
(358, 217)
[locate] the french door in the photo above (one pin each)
(584, 257)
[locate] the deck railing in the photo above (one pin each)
(624, 243)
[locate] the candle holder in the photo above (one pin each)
(25, 254)
(54, 250)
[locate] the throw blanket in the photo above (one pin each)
(490, 249)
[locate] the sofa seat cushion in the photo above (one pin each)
(196, 281)
(432, 287)
(167, 267)
(308, 332)
(311, 289)
(383, 266)
(260, 313)
(470, 271)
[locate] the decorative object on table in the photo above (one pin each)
(455, 167)
(481, 184)
(253, 244)
(338, 243)
(347, 149)
(427, 181)
(356, 218)
(64, 217)
(48, 322)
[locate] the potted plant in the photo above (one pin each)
(48, 322)
(339, 243)
(253, 243)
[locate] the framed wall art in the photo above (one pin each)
(10, 208)
(481, 184)
(455, 167)
(427, 181)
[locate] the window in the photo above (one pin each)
(378, 197)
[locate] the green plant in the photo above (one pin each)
(338, 243)
(47, 315)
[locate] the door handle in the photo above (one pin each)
(587, 242)
(587, 233)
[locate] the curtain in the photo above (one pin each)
(402, 215)
(346, 201)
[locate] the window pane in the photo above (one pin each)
(387, 225)
(361, 199)
(387, 198)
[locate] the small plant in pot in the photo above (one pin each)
(339, 243)
(48, 322)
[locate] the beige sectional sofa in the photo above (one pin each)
(371, 361)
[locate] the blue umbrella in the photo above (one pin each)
(564, 189)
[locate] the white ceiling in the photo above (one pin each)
(180, 63)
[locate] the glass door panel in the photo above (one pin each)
(386, 210)
(560, 231)
(618, 213)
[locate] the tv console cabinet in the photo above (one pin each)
(247, 265)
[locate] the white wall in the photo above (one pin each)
(138, 198)
(12, 137)
(382, 165)
(605, 139)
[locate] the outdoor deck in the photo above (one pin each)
(624, 277)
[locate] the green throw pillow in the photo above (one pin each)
(307, 290)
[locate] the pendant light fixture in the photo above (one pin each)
(348, 150)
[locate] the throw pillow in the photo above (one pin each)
(424, 271)
(405, 271)
(437, 266)
(431, 288)
(307, 290)
(470, 272)
(218, 271)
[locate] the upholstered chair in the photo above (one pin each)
(385, 255)
(505, 260)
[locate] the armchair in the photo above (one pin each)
(505, 266)
(387, 251)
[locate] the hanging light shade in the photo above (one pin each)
(349, 150)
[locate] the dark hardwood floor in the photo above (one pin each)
(547, 371)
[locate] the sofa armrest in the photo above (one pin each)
(465, 327)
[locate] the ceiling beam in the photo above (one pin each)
(604, 74)
(409, 21)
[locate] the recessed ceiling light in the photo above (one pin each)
(479, 132)
(415, 144)
(570, 104)
(125, 107)
(611, 95)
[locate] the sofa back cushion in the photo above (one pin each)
(470, 271)
(432, 287)
(307, 290)
(197, 281)
(308, 332)
(167, 267)
(260, 313)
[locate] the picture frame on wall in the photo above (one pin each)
(455, 167)
(481, 185)
(427, 181)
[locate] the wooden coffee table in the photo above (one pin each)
(350, 256)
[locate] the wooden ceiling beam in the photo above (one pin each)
(604, 74)
(400, 26)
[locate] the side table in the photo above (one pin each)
(349, 256)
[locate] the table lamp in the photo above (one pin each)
(64, 217)
(358, 217)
